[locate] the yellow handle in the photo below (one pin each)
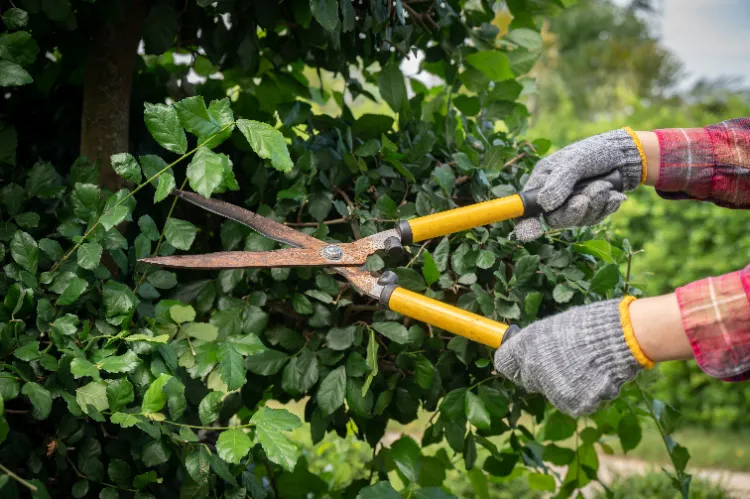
(452, 319)
(459, 219)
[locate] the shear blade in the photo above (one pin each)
(289, 257)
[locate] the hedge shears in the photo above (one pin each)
(347, 259)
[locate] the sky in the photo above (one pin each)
(710, 37)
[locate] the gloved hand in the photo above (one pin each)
(577, 359)
(558, 174)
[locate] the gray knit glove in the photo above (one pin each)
(558, 174)
(577, 359)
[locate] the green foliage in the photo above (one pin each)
(145, 381)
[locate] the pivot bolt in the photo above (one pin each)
(333, 252)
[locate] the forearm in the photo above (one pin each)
(657, 327)
(650, 144)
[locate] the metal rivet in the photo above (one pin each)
(333, 252)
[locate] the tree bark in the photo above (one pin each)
(106, 92)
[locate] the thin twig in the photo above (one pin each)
(20, 480)
(514, 160)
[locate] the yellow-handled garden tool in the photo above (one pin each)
(346, 259)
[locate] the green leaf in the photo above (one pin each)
(605, 279)
(15, 18)
(424, 372)
(410, 279)
(13, 75)
(12, 197)
(118, 299)
(525, 268)
(161, 279)
(28, 220)
(233, 445)
(563, 293)
(371, 126)
(40, 398)
(381, 490)
(430, 269)
(114, 216)
(267, 142)
(495, 402)
(326, 12)
(155, 453)
(120, 364)
(155, 398)
(209, 408)
(340, 338)
(182, 313)
(81, 367)
(28, 352)
(486, 259)
(454, 404)
(94, 394)
(269, 425)
(301, 373)
(148, 228)
(526, 38)
(406, 456)
(542, 482)
(432, 493)
(301, 304)
(119, 394)
(231, 366)
(494, 64)
(89, 255)
(127, 167)
(266, 363)
(164, 125)
(144, 479)
(198, 464)
(599, 249)
(393, 330)
(119, 472)
(559, 426)
(479, 482)
(629, 431)
(391, 85)
(332, 390)
(180, 233)
(18, 47)
(195, 118)
(201, 331)
(205, 172)
(468, 105)
(476, 412)
(25, 251)
(532, 303)
(164, 188)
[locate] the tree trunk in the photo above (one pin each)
(106, 92)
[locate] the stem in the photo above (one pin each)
(661, 432)
(20, 480)
(161, 236)
(132, 193)
(627, 273)
(200, 427)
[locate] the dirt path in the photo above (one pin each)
(737, 482)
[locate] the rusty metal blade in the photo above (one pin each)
(288, 257)
(265, 226)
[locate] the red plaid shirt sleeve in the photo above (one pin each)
(708, 164)
(716, 318)
(712, 164)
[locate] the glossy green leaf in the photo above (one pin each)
(233, 445)
(164, 125)
(331, 392)
(267, 142)
(155, 398)
(180, 233)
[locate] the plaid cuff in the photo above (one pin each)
(709, 164)
(716, 318)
